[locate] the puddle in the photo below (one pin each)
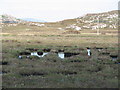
(89, 51)
(4, 63)
(71, 54)
(61, 55)
(20, 57)
(38, 54)
(114, 57)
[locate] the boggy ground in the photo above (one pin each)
(50, 71)
(79, 71)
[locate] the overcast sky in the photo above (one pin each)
(55, 10)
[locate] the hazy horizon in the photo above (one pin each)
(54, 10)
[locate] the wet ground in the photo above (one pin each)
(91, 53)
(55, 67)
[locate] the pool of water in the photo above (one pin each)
(36, 54)
(89, 52)
(114, 58)
(61, 55)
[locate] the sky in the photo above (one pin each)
(55, 10)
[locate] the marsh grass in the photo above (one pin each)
(79, 71)
(51, 71)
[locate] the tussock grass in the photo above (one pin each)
(80, 71)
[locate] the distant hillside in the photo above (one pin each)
(10, 19)
(33, 20)
(106, 20)
(93, 21)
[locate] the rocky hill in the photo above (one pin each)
(106, 20)
(93, 21)
(9, 19)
